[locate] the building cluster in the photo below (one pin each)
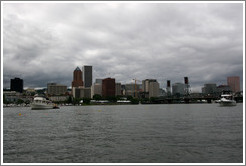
(82, 86)
(233, 85)
(178, 89)
(16, 94)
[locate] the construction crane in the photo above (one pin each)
(135, 86)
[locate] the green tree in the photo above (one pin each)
(153, 99)
(5, 101)
(69, 100)
(76, 101)
(97, 97)
(119, 97)
(32, 93)
(86, 100)
(134, 101)
(19, 101)
(111, 99)
(129, 97)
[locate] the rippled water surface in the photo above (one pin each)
(182, 133)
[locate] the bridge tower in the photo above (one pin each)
(187, 86)
(168, 88)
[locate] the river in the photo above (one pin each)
(163, 133)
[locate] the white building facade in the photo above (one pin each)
(150, 88)
(96, 88)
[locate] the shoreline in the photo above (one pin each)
(13, 105)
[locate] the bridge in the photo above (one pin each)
(190, 99)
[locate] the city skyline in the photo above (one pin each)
(164, 41)
(233, 85)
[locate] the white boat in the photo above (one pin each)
(227, 100)
(41, 103)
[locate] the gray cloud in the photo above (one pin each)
(167, 41)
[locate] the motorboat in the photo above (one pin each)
(40, 102)
(227, 100)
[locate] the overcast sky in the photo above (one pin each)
(45, 42)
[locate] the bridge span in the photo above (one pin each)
(190, 99)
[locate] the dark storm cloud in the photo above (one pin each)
(46, 42)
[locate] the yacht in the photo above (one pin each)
(40, 102)
(227, 100)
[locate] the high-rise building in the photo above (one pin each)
(108, 87)
(96, 89)
(16, 85)
(87, 76)
(81, 92)
(234, 83)
(154, 89)
(56, 89)
(145, 84)
(178, 89)
(150, 88)
(129, 89)
(77, 78)
(118, 89)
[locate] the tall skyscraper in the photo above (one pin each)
(234, 83)
(77, 78)
(16, 85)
(108, 87)
(87, 76)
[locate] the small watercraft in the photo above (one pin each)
(40, 102)
(227, 100)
